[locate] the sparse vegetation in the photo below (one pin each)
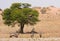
(43, 10)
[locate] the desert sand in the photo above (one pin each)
(48, 26)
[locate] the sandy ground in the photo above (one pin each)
(30, 39)
(49, 25)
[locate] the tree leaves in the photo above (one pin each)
(24, 15)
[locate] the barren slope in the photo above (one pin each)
(49, 23)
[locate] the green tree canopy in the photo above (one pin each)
(20, 13)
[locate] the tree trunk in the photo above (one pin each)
(21, 28)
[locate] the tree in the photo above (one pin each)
(20, 13)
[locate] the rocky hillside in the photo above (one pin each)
(49, 21)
